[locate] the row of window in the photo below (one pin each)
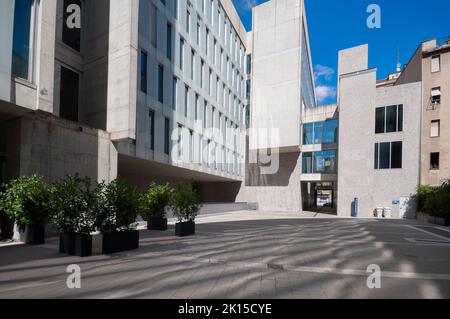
(230, 101)
(210, 154)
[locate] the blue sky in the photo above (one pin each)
(339, 24)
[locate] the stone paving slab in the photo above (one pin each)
(245, 255)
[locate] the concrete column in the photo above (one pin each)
(6, 39)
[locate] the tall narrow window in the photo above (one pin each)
(207, 42)
(205, 109)
(191, 146)
(391, 119)
(198, 34)
(174, 92)
(160, 84)
(169, 42)
(210, 82)
(380, 120)
(435, 63)
(396, 154)
(192, 64)
(68, 93)
(196, 107)
(143, 71)
(188, 20)
(400, 118)
(175, 9)
(435, 128)
(202, 72)
(181, 53)
(186, 100)
(385, 155)
(152, 129)
(167, 136)
(22, 39)
(154, 25)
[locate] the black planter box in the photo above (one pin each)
(443, 221)
(36, 235)
(120, 241)
(431, 219)
(184, 229)
(75, 244)
(157, 223)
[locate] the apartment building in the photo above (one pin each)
(379, 140)
(431, 65)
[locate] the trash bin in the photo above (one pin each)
(387, 212)
(379, 212)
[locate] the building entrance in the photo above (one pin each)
(319, 196)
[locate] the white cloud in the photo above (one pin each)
(324, 92)
(322, 71)
(249, 4)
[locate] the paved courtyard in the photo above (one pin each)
(247, 255)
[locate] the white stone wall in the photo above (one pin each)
(357, 176)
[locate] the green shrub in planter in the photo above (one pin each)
(73, 204)
(153, 204)
(185, 205)
(25, 200)
(423, 193)
(118, 207)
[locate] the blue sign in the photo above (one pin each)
(395, 202)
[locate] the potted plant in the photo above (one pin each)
(25, 200)
(118, 206)
(185, 205)
(73, 201)
(153, 204)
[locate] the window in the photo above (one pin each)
(198, 34)
(160, 84)
(207, 42)
(323, 162)
(192, 64)
(169, 42)
(154, 25)
(174, 92)
(181, 53)
(180, 141)
(196, 106)
(211, 12)
(70, 36)
(186, 100)
(247, 89)
(435, 128)
(188, 20)
(210, 82)
(436, 95)
(167, 136)
(175, 9)
(389, 119)
(320, 132)
(205, 109)
(69, 84)
(215, 52)
(152, 129)
(191, 146)
(388, 155)
(396, 154)
(202, 71)
(434, 161)
(143, 71)
(163, 2)
(21, 50)
(435, 63)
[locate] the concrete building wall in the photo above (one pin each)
(40, 143)
(276, 58)
(357, 176)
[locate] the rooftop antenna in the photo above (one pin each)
(399, 65)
